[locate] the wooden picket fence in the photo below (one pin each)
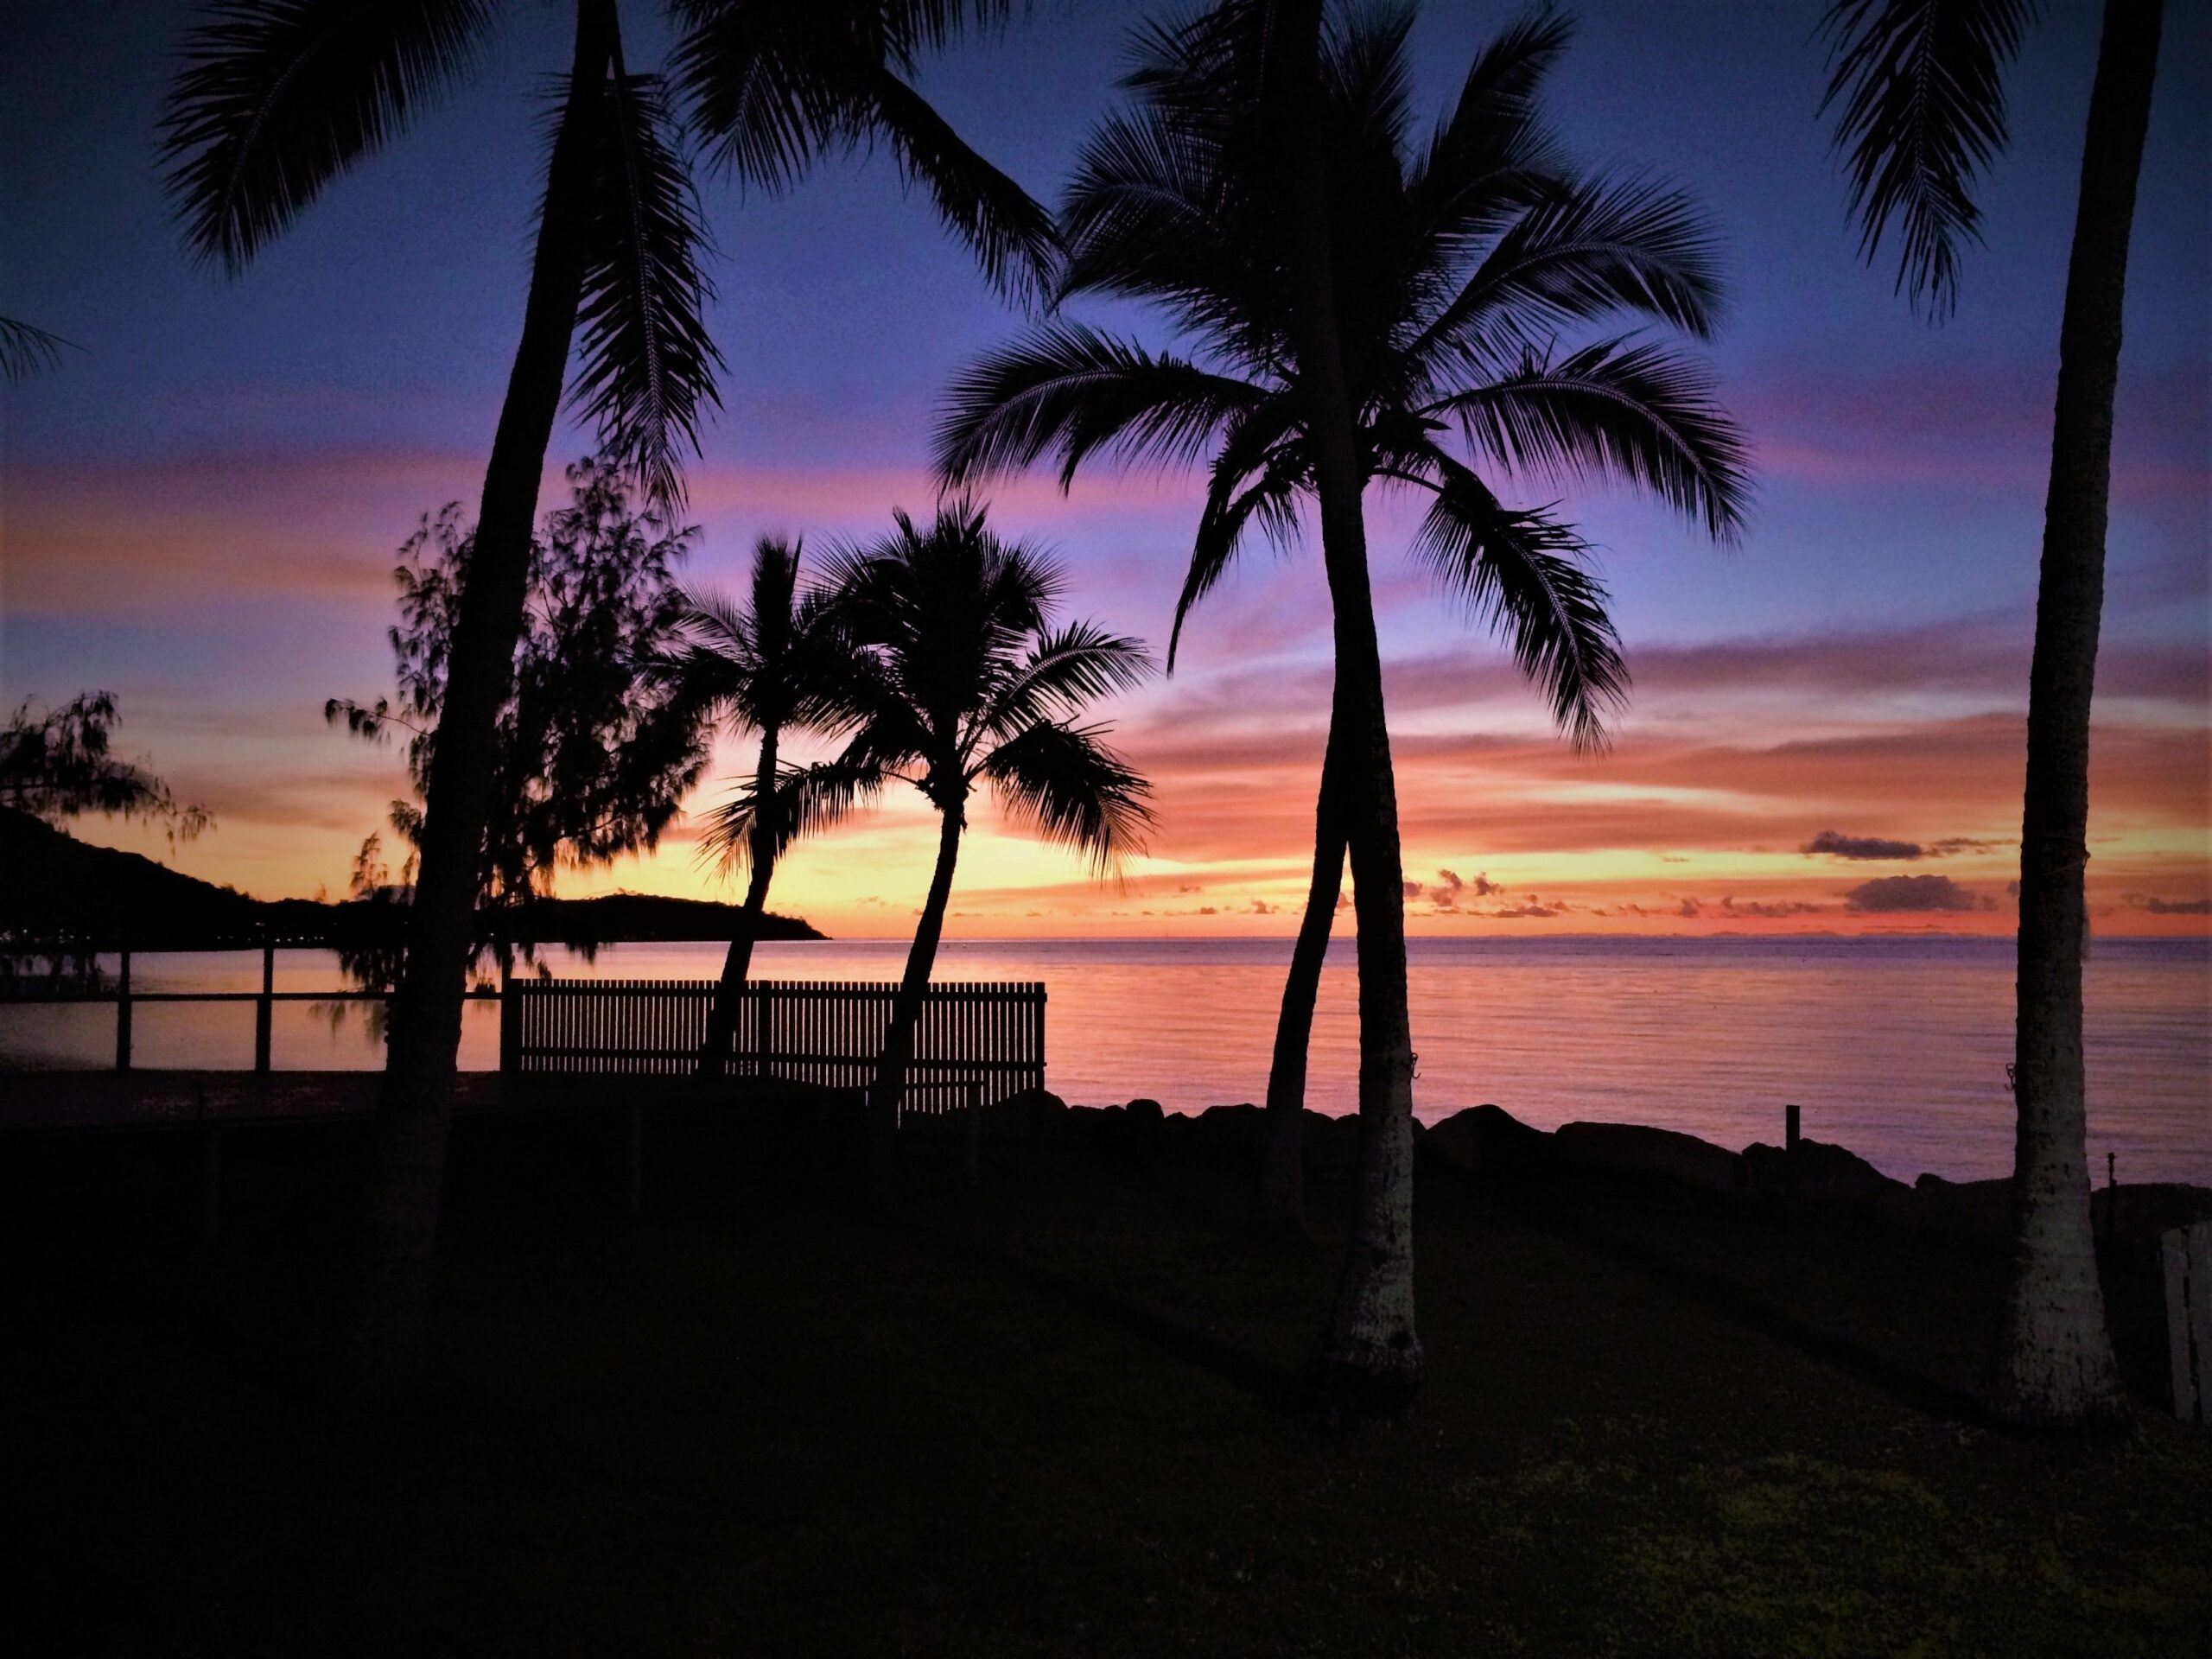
(978, 1043)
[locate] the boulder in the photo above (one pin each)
(1226, 1137)
(1664, 1154)
(1826, 1173)
(1486, 1139)
(1332, 1145)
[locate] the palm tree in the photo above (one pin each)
(966, 681)
(774, 664)
(1920, 91)
(1446, 277)
(275, 100)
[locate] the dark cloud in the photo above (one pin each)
(1447, 896)
(1731, 908)
(1889, 894)
(1413, 889)
(1951, 845)
(1770, 908)
(1506, 913)
(2150, 903)
(1842, 846)
(1261, 907)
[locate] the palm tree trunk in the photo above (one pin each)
(2054, 1360)
(1282, 1166)
(890, 1066)
(737, 962)
(384, 1338)
(1370, 1359)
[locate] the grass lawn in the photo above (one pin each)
(1040, 1420)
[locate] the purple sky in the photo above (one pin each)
(202, 504)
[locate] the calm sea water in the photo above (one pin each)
(1894, 1047)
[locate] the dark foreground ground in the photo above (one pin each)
(1058, 1414)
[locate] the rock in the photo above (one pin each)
(1635, 1149)
(1486, 1138)
(1226, 1137)
(1330, 1145)
(1826, 1173)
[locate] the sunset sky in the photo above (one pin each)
(202, 504)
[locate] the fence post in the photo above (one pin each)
(211, 1169)
(762, 1003)
(510, 1020)
(2186, 1253)
(265, 1008)
(122, 1014)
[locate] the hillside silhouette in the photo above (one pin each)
(65, 892)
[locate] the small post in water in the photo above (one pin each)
(1791, 1125)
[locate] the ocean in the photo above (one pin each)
(1894, 1047)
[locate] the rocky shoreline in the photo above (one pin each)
(1819, 1178)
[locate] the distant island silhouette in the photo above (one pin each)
(66, 892)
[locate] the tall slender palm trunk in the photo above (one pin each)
(386, 1334)
(737, 961)
(1282, 1201)
(898, 1052)
(2054, 1359)
(1370, 1360)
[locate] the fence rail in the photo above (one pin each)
(972, 1042)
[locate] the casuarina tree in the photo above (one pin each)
(1918, 88)
(1426, 353)
(594, 748)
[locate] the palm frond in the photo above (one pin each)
(1525, 575)
(275, 99)
(1077, 390)
(1641, 413)
(774, 85)
(806, 801)
(1583, 251)
(26, 350)
(1494, 151)
(1256, 479)
(752, 78)
(1063, 784)
(1921, 87)
(1010, 233)
(1063, 670)
(647, 362)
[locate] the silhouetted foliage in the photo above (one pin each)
(1921, 89)
(595, 747)
(774, 84)
(26, 350)
(57, 764)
